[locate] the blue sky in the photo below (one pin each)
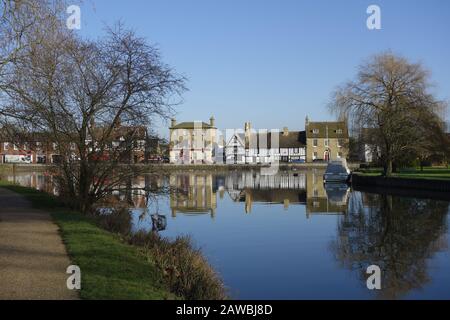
(274, 62)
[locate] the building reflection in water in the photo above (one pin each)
(193, 193)
(43, 181)
(324, 199)
(196, 193)
(250, 187)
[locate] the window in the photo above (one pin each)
(315, 131)
(296, 150)
(16, 147)
(315, 143)
(339, 143)
(339, 155)
(339, 131)
(326, 142)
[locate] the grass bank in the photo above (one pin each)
(111, 268)
(406, 183)
(434, 173)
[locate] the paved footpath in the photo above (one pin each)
(33, 258)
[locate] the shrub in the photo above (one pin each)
(116, 220)
(186, 271)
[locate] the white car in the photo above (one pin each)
(337, 171)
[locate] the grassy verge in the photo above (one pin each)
(111, 269)
(415, 173)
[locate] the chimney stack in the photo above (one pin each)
(212, 121)
(173, 123)
(285, 131)
(248, 126)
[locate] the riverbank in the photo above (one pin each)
(430, 173)
(434, 183)
(110, 268)
(151, 168)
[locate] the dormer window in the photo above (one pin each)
(315, 131)
(339, 131)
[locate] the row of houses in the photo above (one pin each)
(201, 142)
(134, 144)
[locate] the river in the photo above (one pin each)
(287, 236)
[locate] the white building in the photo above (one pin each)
(192, 142)
(263, 146)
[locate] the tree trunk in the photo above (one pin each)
(84, 188)
(388, 168)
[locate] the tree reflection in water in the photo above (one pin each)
(397, 234)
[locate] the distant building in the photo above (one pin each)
(34, 150)
(195, 142)
(369, 151)
(253, 147)
(326, 141)
(292, 146)
(235, 149)
(130, 142)
(192, 142)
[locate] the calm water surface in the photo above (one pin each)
(290, 237)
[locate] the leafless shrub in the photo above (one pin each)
(187, 272)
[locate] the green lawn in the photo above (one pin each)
(110, 268)
(433, 173)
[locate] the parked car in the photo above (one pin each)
(155, 159)
(337, 171)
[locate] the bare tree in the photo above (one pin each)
(24, 23)
(90, 99)
(391, 97)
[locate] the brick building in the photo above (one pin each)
(130, 141)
